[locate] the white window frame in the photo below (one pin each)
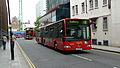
(104, 3)
(76, 8)
(91, 4)
(83, 7)
(105, 23)
(73, 10)
(96, 3)
(94, 25)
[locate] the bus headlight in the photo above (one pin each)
(88, 45)
(67, 46)
(85, 42)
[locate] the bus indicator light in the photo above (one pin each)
(79, 42)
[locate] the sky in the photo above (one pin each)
(29, 10)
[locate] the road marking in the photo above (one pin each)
(26, 57)
(114, 67)
(82, 57)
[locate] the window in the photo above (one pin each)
(109, 4)
(76, 9)
(83, 7)
(91, 4)
(105, 24)
(56, 30)
(96, 3)
(94, 25)
(73, 10)
(104, 3)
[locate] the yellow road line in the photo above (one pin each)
(26, 57)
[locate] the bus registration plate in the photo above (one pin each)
(78, 48)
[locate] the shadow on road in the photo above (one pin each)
(69, 52)
(74, 52)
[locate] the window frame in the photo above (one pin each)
(73, 10)
(96, 4)
(91, 4)
(83, 7)
(104, 3)
(105, 23)
(76, 8)
(94, 25)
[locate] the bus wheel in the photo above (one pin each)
(55, 46)
(44, 42)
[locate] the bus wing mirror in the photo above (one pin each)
(92, 22)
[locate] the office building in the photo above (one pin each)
(105, 16)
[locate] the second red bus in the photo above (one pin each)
(29, 33)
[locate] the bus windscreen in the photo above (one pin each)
(77, 30)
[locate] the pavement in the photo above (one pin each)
(20, 60)
(106, 48)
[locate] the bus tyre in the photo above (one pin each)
(55, 46)
(44, 42)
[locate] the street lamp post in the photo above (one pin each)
(11, 41)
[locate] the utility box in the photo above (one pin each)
(105, 42)
(99, 43)
(94, 41)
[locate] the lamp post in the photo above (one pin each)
(11, 41)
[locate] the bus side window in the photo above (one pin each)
(56, 31)
(51, 32)
(68, 32)
(60, 29)
(45, 32)
(61, 33)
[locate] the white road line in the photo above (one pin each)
(82, 57)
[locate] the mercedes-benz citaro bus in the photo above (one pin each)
(66, 35)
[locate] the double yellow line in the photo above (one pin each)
(25, 56)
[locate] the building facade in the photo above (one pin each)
(41, 8)
(53, 3)
(3, 19)
(105, 16)
(56, 10)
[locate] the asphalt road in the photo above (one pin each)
(45, 57)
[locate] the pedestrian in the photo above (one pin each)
(4, 41)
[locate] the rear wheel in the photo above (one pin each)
(44, 42)
(55, 46)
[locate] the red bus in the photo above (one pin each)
(66, 35)
(29, 33)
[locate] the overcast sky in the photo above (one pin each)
(29, 10)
